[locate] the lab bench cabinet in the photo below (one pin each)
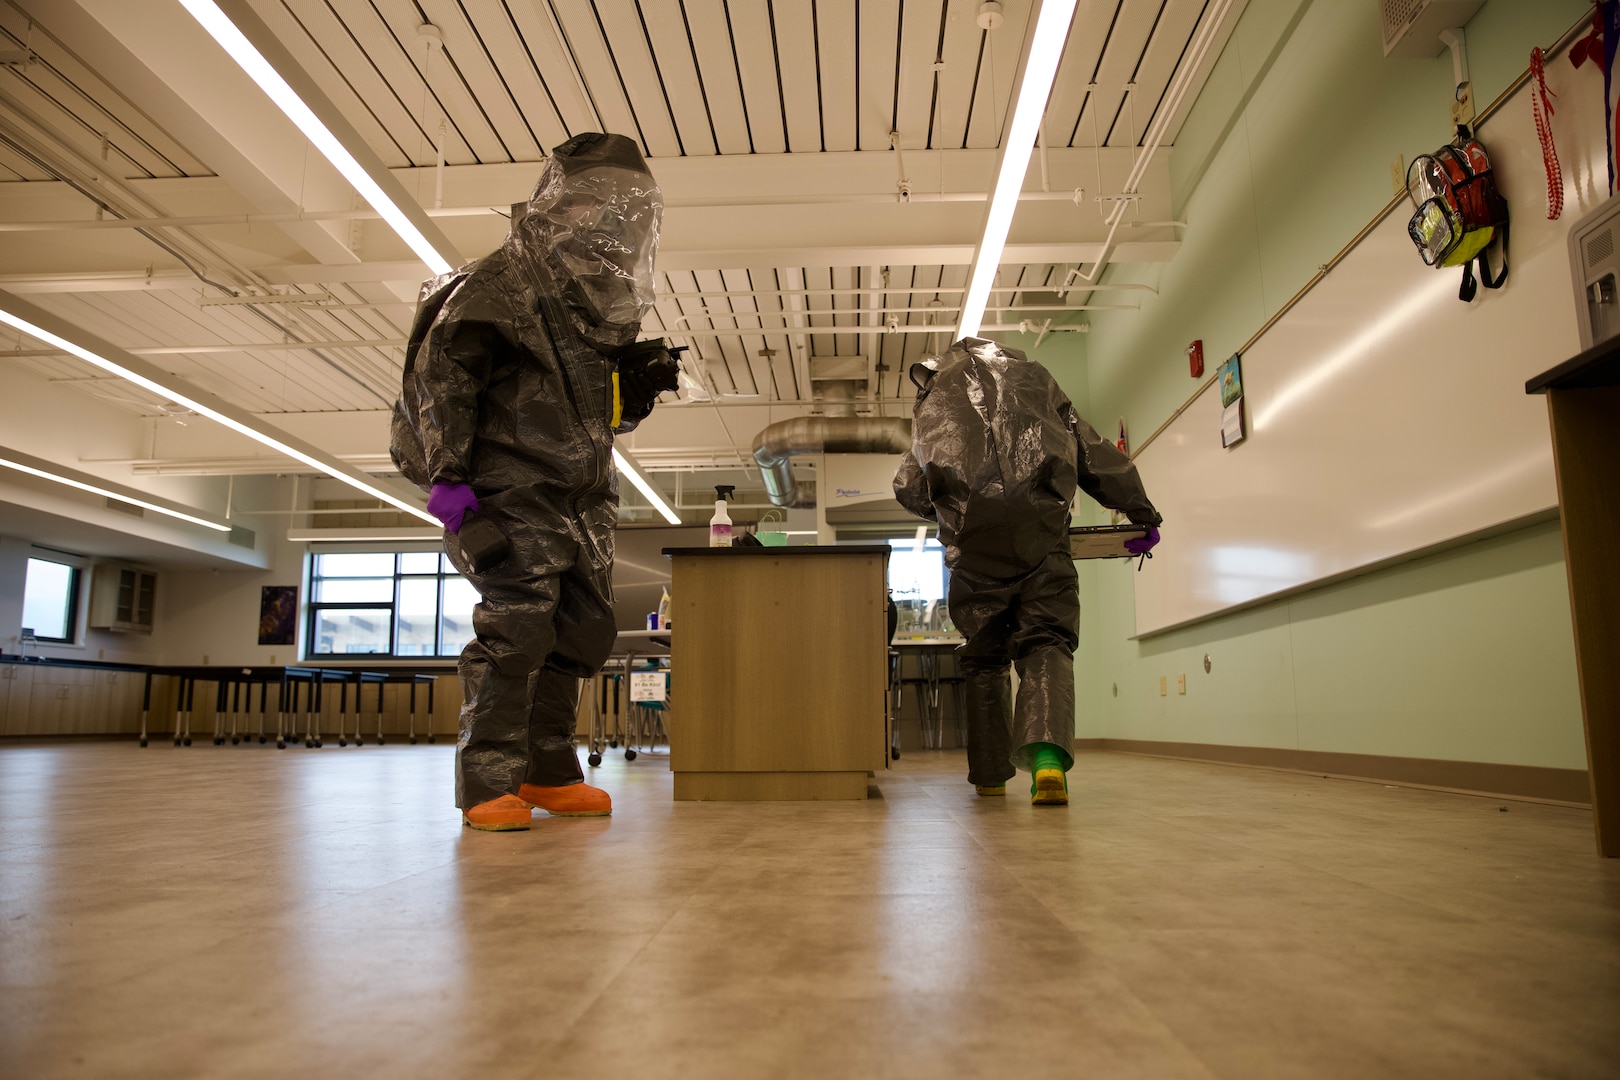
(778, 672)
(42, 700)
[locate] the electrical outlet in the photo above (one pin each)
(272, 658)
(1462, 108)
(1181, 684)
(205, 659)
(1397, 174)
(1164, 686)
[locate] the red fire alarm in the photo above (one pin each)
(1195, 358)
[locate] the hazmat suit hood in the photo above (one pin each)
(589, 234)
(998, 452)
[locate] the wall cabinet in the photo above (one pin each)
(122, 598)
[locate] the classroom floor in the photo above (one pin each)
(243, 912)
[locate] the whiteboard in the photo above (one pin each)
(1384, 416)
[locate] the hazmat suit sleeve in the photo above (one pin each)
(461, 355)
(911, 488)
(1107, 475)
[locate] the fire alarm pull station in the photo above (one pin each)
(1195, 358)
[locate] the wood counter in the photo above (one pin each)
(779, 672)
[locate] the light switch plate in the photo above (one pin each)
(1164, 686)
(1181, 684)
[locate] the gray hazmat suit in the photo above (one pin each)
(510, 387)
(997, 453)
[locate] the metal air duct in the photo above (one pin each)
(777, 445)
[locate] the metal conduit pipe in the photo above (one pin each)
(776, 446)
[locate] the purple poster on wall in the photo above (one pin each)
(278, 614)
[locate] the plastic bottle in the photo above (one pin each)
(720, 523)
(663, 610)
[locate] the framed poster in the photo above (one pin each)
(278, 614)
(1230, 377)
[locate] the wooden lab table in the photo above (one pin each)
(1583, 400)
(780, 671)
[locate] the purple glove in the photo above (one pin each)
(1136, 547)
(450, 503)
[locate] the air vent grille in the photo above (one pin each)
(1599, 248)
(243, 538)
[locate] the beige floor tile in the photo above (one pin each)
(246, 912)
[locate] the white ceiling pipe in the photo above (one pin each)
(67, 337)
(399, 343)
(197, 220)
(1177, 90)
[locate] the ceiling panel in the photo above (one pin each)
(58, 84)
(879, 37)
(754, 48)
(346, 74)
(675, 64)
(837, 35)
(711, 38)
(627, 59)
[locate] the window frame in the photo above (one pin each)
(398, 577)
(78, 566)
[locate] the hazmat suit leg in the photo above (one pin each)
(585, 630)
(537, 627)
(1033, 622)
(988, 695)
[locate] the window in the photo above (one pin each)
(388, 604)
(916, 573)
(51, 600)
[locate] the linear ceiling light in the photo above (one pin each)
(151, 379)
(631, 468)
(234, 42)
(110, 494)
(1040, 68)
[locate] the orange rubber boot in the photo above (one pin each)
(499, 815)
(570, 800)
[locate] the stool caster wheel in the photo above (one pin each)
(143, 742)
(629, 755)
(317, 744)
(235, 741)
(894, 754)
(177, 740)
(309, 744)
(413, 740)
(594, 759)
(380, 742)
(218, 741)
(343, 742)
(188, 740)
(613, 744)
(281, 744)
(431, 738)
(261, 740)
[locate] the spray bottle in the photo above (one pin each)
(720, 523)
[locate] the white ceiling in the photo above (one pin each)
(767, 122)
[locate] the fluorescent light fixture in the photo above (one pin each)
(234, 42)
(1040, 68)
(110, 494)
(397, 535)
(632, 469)
(354, 478)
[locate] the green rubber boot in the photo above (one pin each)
(1050, 786)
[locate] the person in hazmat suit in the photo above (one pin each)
(519, 370)
(997, 453)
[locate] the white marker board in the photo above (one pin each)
(1384, 415)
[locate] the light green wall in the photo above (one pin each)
(1466, 655)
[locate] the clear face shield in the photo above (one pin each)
(599, 227)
